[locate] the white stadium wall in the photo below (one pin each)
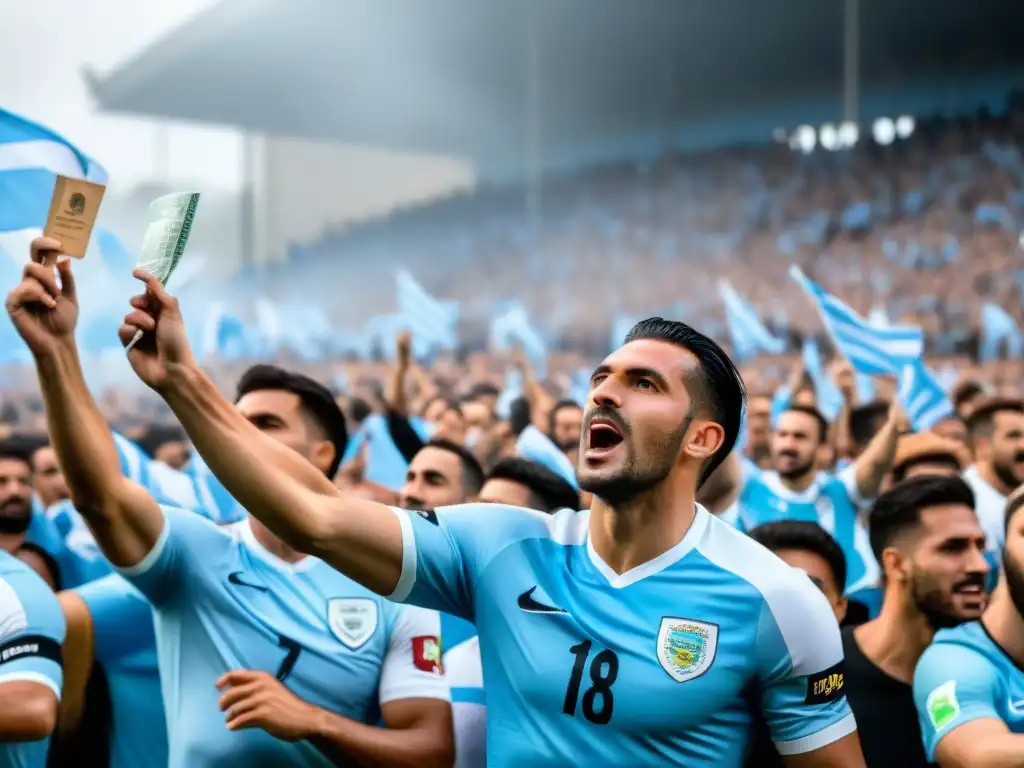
(304, 187)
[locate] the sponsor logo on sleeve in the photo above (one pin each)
(426, 654)
(427, 514)
(30, 646)
(826, 686)
(942, 705)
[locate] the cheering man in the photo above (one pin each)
(640, 633)
(301, 661)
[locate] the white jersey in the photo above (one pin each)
(990, 506)
(465, 674)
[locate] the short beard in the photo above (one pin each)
(934, 606)
(632, 481)
(1006, 474)
(797, 470)
(15, 522)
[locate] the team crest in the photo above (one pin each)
(686, 648)
(352, 620)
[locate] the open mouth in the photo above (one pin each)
(602, 437)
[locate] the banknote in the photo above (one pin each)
(168, 225)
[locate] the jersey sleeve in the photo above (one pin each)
(31, 631)
(186, 545)
(953, 685)
(443, 551)
(848, 478)
(122, 619)
(412, 667)
(799, 646)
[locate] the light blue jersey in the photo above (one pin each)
(223, 602)
(31, 633)
(831, 501)
(124, 644)
(667, 664)
(963, 676)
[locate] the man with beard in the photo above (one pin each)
(27, 536)
(564, 424)
(927, 537)
(797, 490)
(640, 633)
(996, 429)
(969, 684)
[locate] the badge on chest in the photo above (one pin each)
(352, 620)
(686, 648)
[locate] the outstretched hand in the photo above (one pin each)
(164, 345)
(44, 309)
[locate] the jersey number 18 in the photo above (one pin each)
(603, 671)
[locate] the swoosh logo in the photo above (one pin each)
(235, 577)
(1016, 707)
(528, 604)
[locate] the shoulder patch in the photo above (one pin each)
(826, 686)
(942, 705)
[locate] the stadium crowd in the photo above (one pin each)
(176, 603)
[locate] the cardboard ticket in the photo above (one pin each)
(73, 211)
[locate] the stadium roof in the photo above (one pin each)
(450, 76)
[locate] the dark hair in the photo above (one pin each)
(965, 391)
(483, 389)
(866, 420)
(806, 536)
(561, 405)
(359, 410)
(982, 418)
(716, 387)
(472, 472)
(17, 448)
(519, 415)
(160, 434)
(899, 509)
(549, 491)
(318, 403)
(815, 414)
(900, 470)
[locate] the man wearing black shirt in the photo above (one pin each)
(930, 546)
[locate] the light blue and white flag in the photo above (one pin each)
(428, 319)
(870, 350)
(223, 334)
(748, 333)
(536, 446)
(922, 396)
(997, 326)
(829, 399)
(512, 328)
(30, 157)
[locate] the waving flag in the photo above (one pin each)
(829, 399)
(997, 326)
(512, 328)
(748, 333)
(922, 396)
(428, 319)
(870, 350)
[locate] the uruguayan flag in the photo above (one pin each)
(30, 157)
(922, 396)
(748, 333)
(427, 318)
(512, 328)
(870, 350)
(829, 399)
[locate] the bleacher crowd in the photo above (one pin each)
(261, 654)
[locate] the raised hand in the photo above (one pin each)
(44, 311)
(164, 346)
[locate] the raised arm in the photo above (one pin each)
(123, 517)
(280, 488)
(872, 466)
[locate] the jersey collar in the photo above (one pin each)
(660, 563)
(248, 538)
